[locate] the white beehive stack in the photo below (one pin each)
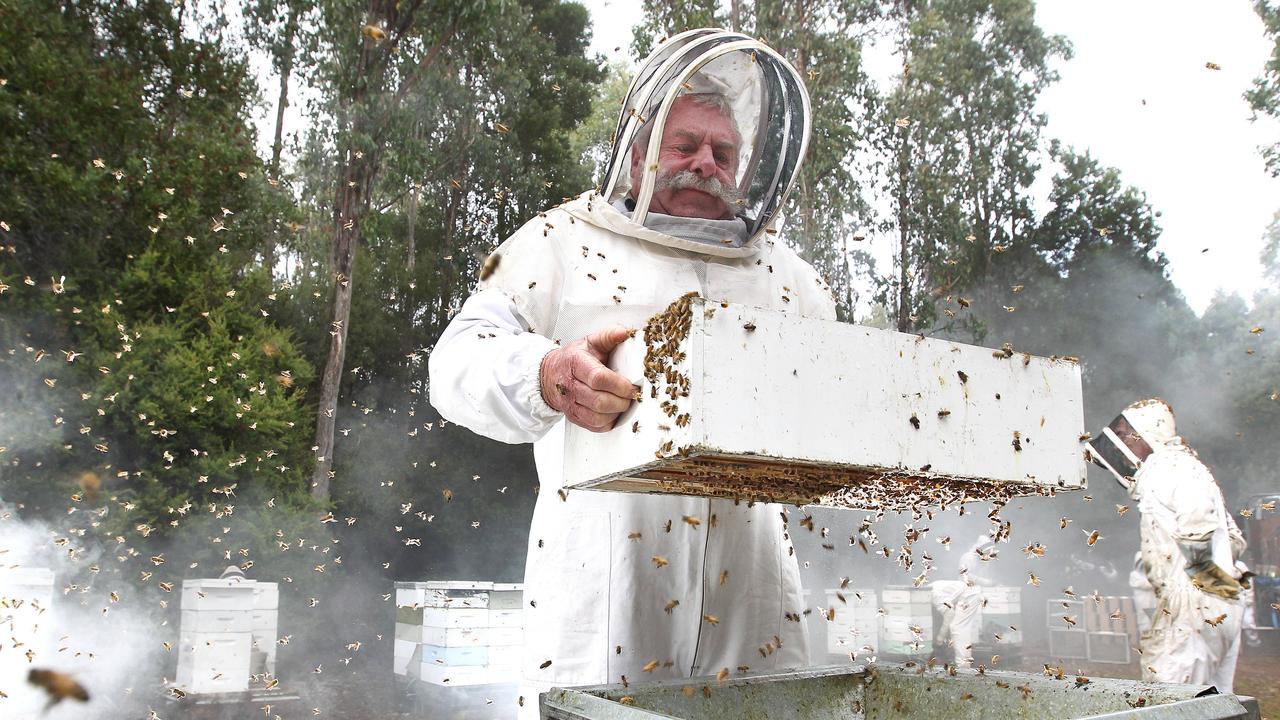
(907, 625)
(1001, 614)
(855, 625)
(266, 611)
(215, 638)
(506, 628)
(753, 404)
(26, 624)
(1068, 636)
(458, 633)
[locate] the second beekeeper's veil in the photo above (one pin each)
(1128, 440)
(759, 90)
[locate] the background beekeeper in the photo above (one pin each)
(1189, 547)
(641, 587)
(960, 604)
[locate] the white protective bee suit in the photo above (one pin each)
(960, 605)
(1144, 598)
(1189, 547)
(960, 601)
(598, 605)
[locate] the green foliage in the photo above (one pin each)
(664, 19)
(959, 136)
(142, 354)
(1264, 96)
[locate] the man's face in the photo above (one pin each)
(699, 152)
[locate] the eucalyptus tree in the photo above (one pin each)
(442, 126)
(1264, 96)
(959, 137)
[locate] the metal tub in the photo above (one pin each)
(885, 691)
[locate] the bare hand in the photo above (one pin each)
(576, 382)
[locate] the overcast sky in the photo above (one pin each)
(1191, 148)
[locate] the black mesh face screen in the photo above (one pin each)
(1130, 437)
(1120, 448)
(1109, 457)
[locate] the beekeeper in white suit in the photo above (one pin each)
(959, 602)
(635, 587)
(1189, 547)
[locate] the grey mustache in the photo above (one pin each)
(688, 179)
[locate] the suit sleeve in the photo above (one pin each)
(484, 370)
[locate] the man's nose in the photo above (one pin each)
(703, 162)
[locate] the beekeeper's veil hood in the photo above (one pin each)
(1141, 429)
(760, 91)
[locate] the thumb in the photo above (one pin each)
(603, 342)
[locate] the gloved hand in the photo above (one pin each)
(576, 382)
(1205, 573)
(1215, 581)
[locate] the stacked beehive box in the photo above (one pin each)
(266, 604)
(506, 627)
(907, 625)
(458, 633)
(1001, 617)
(855, 622)
(215, 636)
(1113, 628)
(1068, 636)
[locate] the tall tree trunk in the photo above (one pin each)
(349, 206)
(904, 241)
(351, 198)
(411, 249)
(904, 178)
(355, 180)
(285, 67)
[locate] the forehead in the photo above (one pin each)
(688, 117)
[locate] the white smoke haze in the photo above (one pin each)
(112, 647)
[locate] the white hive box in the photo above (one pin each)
(506, 596)
(855, 627)
(441, 594)
(443, 637)
(907, 625)
(216, 635)
(756, 404)
(1001, 614)
(458, 632)
(265, 625)
(217, 621)
(213, 662)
